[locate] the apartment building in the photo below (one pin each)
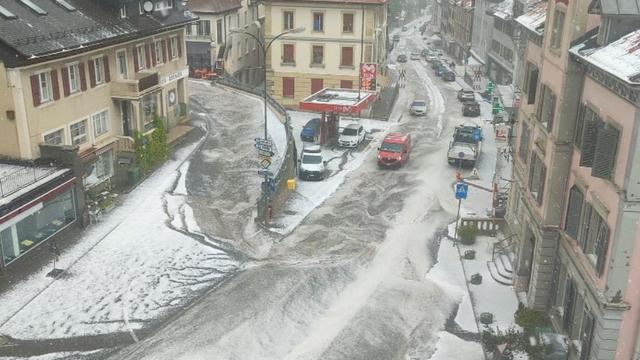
(500, 45)
(456, 27)
(336, 38)
(575, 201)
(79, 77)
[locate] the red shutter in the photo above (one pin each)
(35, 89)
(346, 84)
(136, 66)
(153, 54)
(65, 81)
(179, 46)
(92, 73)
(347, 56)
(288, 86)
(54, 84)
(148, 55)
(288, 56)
(83, 77)
(107, 74)
(316, 85)
(164, 50)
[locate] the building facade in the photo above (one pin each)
(337, 37)
(456, 26)
(500, 47)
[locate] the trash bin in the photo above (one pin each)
(133, 174)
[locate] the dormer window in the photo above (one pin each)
(163, 5)
(123, 11)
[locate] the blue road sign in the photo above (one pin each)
(265, 173)
(477, 134)
(461, 190)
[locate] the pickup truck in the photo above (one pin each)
(466, 146)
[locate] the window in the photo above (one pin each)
(531, 83)
(78, 132)
(121, 64)
(246, 46)
(556, 31)
(347, 23)
(189, 29)
(593, 237)
(123, 11)
(157, 49)
(219, 34)
(318, 22)
(100, 124)
(316, 85)
(586, 334)
(55, 137)
(537, 175)
(100, 170)
(318, 55)
(568, 305)
(73, 75)
(174, 47)
(141, 56)
(346, 84)
(163, 5)
(44, 81)
(547, 107)
(150, 110)
(204, 27)
(288, 20)
(604, 159)
(574, 211)
(98, 66)
(288, 87)
(288, 54)
(523, 150)
(347, 56)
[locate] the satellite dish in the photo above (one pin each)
(147, 6)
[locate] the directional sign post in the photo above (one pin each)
(461, 193)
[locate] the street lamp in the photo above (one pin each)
(265, 48)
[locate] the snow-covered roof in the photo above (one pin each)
(620, 58)
(534, 18)
(16, 180)
(504, 10)
(616, 7)
(506, 94)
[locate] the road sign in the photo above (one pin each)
(262, 141)
(265, 153)
(265, 173)
(263, 147)
(476, 134)
(461, 190)
(265, 163)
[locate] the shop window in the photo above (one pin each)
(150, 110)
(100, 171)
(36, 225)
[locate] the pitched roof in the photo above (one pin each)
(620, 58)
(503, 10)
(346, 3)
(615, 7)
(534, 17)
(28, 36)
(213, 6)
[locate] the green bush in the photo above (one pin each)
(467, 234)
(516, 342)
(151, 149)
(530, 319)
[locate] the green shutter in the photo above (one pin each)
(602, 243)
(605, 153)
(589, 137)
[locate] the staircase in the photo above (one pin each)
(501, 264)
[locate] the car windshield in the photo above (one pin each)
(391, 147)
(418, 103)
(350, 131)
(311, 159)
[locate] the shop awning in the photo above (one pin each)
(338, 101)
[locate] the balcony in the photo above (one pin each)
(135, 88)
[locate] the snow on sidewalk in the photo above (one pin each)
(126, 271)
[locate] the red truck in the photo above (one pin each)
(394, 151)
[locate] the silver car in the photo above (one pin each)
(418, 108)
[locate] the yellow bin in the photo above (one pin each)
(291, 184)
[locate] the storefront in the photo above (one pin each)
(25, 227)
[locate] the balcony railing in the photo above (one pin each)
(22, 178)
(134, 88)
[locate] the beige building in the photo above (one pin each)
(92, 91)
(337, 37)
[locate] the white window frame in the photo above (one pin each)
(174, 47)
(285, 22)
(73, 76)
(63, 137)
(46, 76)
(246, 46)
(163, 5)
(103, 127)
(141, 52)
(98, 70)
(85, 135)
(122, 72)
(123, 11)
(157, 47)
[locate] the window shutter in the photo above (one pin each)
(583, 233)
(605, 153)
(551, 112)
(136, 65)
(153, 54)
(65, 81)
(577, 136)
(55, 85)
(347, 56)
(533, 85)
(543, 176)
(92, 73)
(574, 210)
(589, 134)
(35, 89)
(601, 246)
(316, 85)
(288, 54)
(83, 77)
(107, 74)
(288, 86)
(164, 50)
(147, 54)
(179, 46)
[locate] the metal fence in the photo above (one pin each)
(21, 178)
(288, 164)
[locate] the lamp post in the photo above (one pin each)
(265, 49)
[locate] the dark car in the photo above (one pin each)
(311, 130)
(471, 108)
(436, 64)
(449, 75)
(402, 58)
(441, 70)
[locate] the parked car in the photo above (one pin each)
(311, 130)
(448, 75)
(404, 28)
(435, 64)
(402, 58)
(311, 165)
(471, 108)
(351, 136)
(394, 150)
(414, 56)
(466, 95)
(431, 57)
(440, 70)
(418, 108)
(425, 52)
